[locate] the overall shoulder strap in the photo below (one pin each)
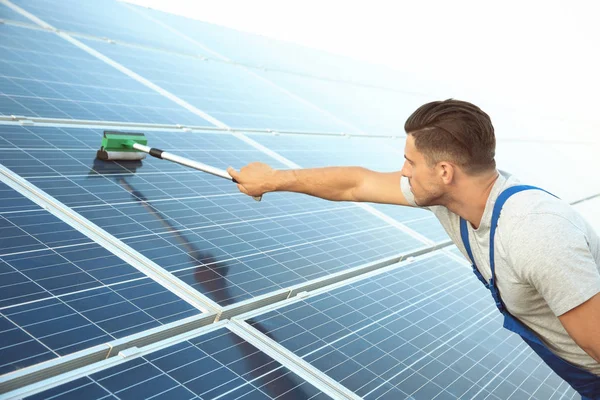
(464, 234)
(505, 195)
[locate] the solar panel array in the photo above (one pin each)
(149, 279)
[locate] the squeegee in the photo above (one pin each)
(126, 146)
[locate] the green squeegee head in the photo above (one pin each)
(119, 146)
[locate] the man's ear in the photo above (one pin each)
(446, 172)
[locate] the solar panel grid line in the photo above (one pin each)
(109, 242)
(474, 357)
(24, 328)
(442, 391)
(240, 258)
(103, 363)
(359, 274)
(474, 362)
(565, 392)
(287, 247)
(341, 278)
(98, 124)
(523, 349)
(451, 284)
(406, 367)
(33, 338)
(61, 122)
(249, 221)
(414, 363)
(290, 360)
(351, 275)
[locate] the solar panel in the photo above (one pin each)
(218, 364)
(60, 292)
(229, 93)
(43, 75)
(424, 330)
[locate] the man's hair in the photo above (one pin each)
(455, 131)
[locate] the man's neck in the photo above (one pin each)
(471, 197)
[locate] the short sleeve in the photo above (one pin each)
(553, 255)
(405, 186)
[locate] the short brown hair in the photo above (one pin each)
(455, 131)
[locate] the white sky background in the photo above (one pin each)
(540, 54)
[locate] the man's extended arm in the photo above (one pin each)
(329, 183)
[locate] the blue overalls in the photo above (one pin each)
(584, 382)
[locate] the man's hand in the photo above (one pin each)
(254, 179)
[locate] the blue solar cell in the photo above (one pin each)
(45, 76)
(212, 365)
(229, 93)
(60, 292)
(425, 329)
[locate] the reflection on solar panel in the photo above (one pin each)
(218, 364)
(61, 293)
(76, 320)
(426, 330)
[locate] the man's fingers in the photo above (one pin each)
(233, 173)
(242, 189)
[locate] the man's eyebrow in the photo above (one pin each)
(408, 159)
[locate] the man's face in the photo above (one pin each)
(424, 182)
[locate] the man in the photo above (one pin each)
(544, 265)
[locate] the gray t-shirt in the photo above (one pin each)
(547, 260)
